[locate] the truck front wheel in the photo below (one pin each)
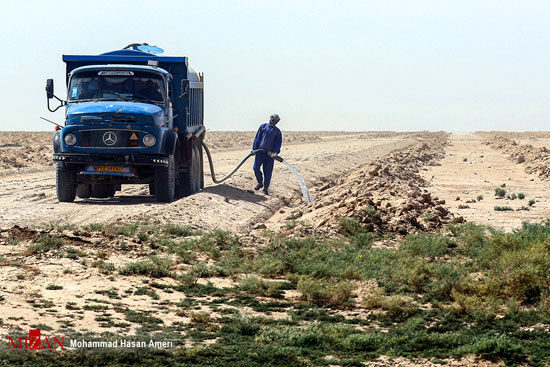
(64, 182)
(165, 181)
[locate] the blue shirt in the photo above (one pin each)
(268, 137)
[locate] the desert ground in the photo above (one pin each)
(389, 265)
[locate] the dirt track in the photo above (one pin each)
(29, 198)
(471, 168)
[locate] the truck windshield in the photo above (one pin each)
(128, 85)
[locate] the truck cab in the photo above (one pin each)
(131, 117)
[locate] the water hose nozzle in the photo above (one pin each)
(275, 156)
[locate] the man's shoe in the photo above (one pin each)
(259, 186)
(265, 191)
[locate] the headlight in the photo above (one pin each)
(70, 139)
(149, 140)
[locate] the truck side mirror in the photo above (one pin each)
(49, 88)
(50, 95)
(184, 88)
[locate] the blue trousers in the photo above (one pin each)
(262, 159)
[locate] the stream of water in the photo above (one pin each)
(305, 192)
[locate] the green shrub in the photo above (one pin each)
(499, 348)
(521, 195)
(314, 336)
(104, 267)
(531, 202)
(397, 307)
(325, 293)
(154, 267)
(127, 230)
(261, 287)
(341, 258)
(361, 342)
(44, 244)
(177, 230)
(54, 287)
(500, 192)
(351, 226)
(479, 197)
(241, 326)
(201, 317)
(499, 208)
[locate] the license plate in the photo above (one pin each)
(102, 168)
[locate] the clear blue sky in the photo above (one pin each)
(322, 65)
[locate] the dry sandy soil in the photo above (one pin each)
(413, 181)
(28, 198)
(471, 168)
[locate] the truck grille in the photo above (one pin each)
(109, 138)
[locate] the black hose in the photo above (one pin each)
(213, 174)
(305, 191)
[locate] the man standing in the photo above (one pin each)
(269, 139)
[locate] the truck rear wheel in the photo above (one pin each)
(165, 181)
(191, 181)
(103, 191)
(64, 182)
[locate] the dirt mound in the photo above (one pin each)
(25, 149)
(385, 196)
(536, 160)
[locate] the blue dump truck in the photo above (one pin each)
(132, 117)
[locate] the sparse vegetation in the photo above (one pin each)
(177, 230)
(479, 197)
(500, 192)
(335, 293)
(54, 287)
(44, 244)
(104, 267)
(521, 195)
(472, 290)
(200, 317)
(155, 267)
(261, 287)
(73, 253)
(531, 202)
(499, 208)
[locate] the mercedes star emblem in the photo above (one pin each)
(109, 138)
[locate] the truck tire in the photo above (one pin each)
(165, 184)
(64, 182)
(103, 191)
(190, 180)
(83, 191)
